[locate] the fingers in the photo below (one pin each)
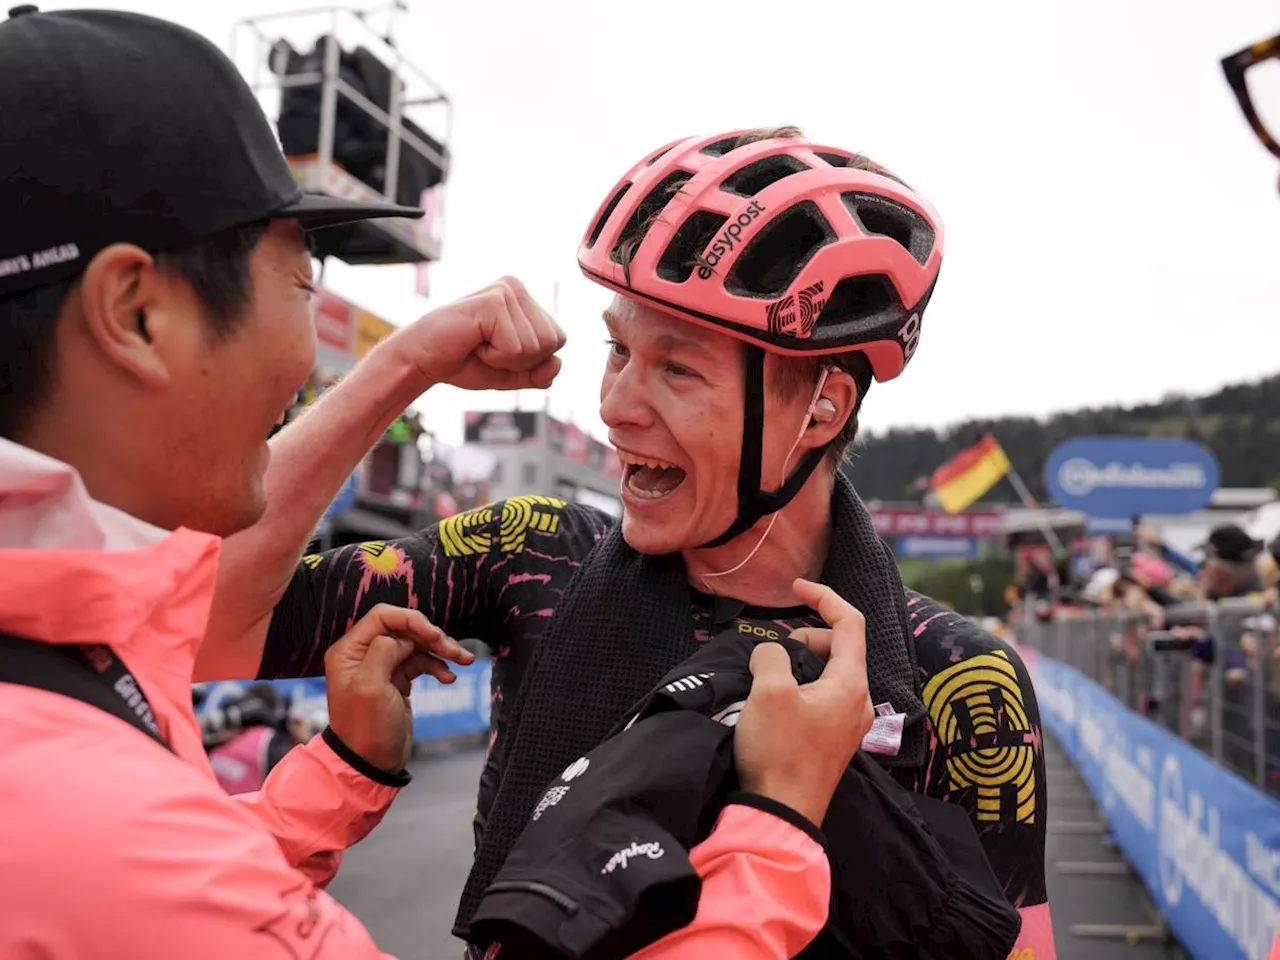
(412, 625)
(383, 658)
(817, 639)
(425, 665)
(771, 672)
(519, 334)
(847, 658)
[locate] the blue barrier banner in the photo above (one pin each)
(1205, 842)
(439, 710)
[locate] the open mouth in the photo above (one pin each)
(649, 478)
(278, 425)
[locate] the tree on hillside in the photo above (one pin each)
(1240, 424)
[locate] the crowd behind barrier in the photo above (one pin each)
(1172, 715)
(1207, 672)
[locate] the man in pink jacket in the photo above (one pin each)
(154, 324)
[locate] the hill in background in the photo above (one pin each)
(1240, 424)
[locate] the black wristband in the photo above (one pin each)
(782, 812)
(362, 766)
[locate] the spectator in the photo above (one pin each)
(1229, 568)
(260, 737)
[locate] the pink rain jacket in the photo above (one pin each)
(111, 846)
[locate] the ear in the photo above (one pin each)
(120, 299)
(842, 392)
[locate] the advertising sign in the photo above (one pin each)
(893, 522)
(937, 548)
(1126, 476)
(335, 322)
(370, 331)
(1205, 843)
(576, 443)
(439, 710)
(501, 427)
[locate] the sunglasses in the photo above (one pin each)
(1235, 67)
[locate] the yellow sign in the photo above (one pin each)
(370, 331)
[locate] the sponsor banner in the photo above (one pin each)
(335, 321)
(1129, 476)
(370, 331)
(439, 710)
(1205, 842)
(501, 427)
(576, 443)
(936, 547)
(898, 522)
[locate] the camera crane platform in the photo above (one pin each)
(340, 93)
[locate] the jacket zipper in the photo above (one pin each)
(565, 902)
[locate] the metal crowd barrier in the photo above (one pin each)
(1208, 672)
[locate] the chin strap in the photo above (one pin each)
(754, 503)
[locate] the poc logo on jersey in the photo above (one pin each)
(624, 856)
(755, 630)
(576, 769)
(909, 335)
(729, 239)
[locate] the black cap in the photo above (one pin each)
(1230, 543)
(116, 127)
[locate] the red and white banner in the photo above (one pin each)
(900, 522)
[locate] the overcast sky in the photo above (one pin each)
(1113, 228)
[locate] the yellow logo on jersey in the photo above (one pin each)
(466, 534)
(380, 557)
(978, 711)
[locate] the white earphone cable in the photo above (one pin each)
(808, 417)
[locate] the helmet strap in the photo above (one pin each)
(754, 503)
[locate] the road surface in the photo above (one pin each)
(403, 881)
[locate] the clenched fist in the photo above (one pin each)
(497, 339)
(367, 676)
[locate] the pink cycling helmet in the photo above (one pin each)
(778, 242)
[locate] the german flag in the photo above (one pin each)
(970, 474)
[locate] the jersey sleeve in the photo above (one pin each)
(987, 753)
(456, 572)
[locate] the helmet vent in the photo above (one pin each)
(659, 155)
(608, 212)
(888, 218)
(775, 256)
(764, 172)
(695, 233)
(860, 298)
(720, 147)
(648, 209)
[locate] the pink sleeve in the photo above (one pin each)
(1036, 938)
(316, 806)
(1275, 949)
(766, 892)
(153, 862)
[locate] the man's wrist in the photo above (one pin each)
(392, 364)
(808, 803)
(362, 766)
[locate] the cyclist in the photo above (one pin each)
(762, 283)
(154, 323)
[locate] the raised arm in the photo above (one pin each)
(497, 339)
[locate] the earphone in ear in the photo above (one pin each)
(824, 411)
